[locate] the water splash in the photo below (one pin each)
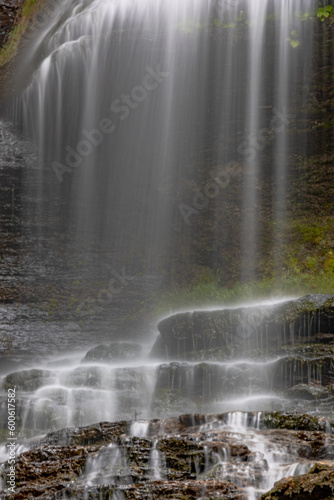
(139, 429)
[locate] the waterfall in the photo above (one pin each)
(109, 466)
(139, 429)
(144, 122)
(124, 99)
(271, 461)
(157, 463)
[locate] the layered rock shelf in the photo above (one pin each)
(232, 456)
(264, 373)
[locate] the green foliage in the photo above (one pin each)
(29, 7)
(307, 16)
(324, 12)
(310, 233)
(8, 51)
(329, 262)
(311, 262)
(290, 283)
(294, 42)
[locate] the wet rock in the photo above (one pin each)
(7, 365)
(97, 435)
(28, 380)
(154, 490)
(309, 392)
(113, 352)
(264, 327)
(206, 380)
(184, 459)
(318, 484)
(191, 456)
(47, 469)
(307, 369)
(291, 421)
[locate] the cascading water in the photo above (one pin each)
(114, 458)
(124, 381)
(156, 463)
(127, 96)
(270, 462)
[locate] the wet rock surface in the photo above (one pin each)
(113, 352)
(50, 304)
(318, 484)
(9, 10)
(191, 456)
(278, 325)
(210, 490)
(286, 348)
(27, 380)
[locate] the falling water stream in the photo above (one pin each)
(274, 461)
(124, 98)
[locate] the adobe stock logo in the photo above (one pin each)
(249, 148)
(123, 106)
(116, 284)
(220, 179)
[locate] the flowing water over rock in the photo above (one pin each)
(125, 380)
(236, 454)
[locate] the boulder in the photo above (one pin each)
(318, 484)
(260, 328)
(308, 392)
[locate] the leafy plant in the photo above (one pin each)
(307, 15)
(29, 9)
(324, 12)
(294, 42)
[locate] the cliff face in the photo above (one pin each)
(10, 10)
(16, 18)
(9, 18)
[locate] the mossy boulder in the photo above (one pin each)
(291, 421)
